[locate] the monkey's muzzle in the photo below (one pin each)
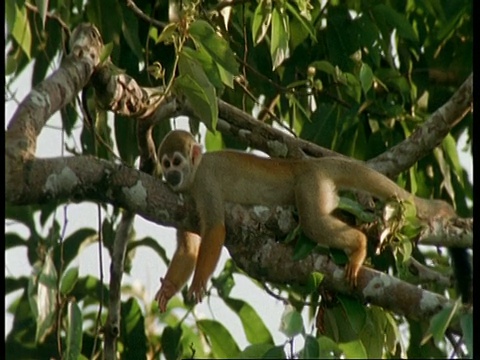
(174, 178)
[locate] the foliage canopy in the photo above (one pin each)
(356, 77)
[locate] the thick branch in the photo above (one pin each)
(252, 232)
(151, 102)
(428, 136)
(45, 99)
(53, 93)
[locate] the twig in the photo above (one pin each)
(100, 260)
(230, 3)
(49, 15)
(136, 10)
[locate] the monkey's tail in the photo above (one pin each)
(462, 269)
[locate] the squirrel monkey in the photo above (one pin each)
(310, 184)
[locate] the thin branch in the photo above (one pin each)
(137, 11)
(112, 327)
(230, 3)
(50, 15)
(100, 261)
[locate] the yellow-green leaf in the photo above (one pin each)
(21, 30)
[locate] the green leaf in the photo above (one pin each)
(153, 33)
(262, 18)
(211, 69)
(280, 35)
(445, 170)
(69, 280)
(276, 352)
(225, 282)
(355, 312)
(89, 287)
(354, 208)
(353, 350)
(218, 48)
(46, 298)
(126, 136)
(10, 15)
(152, 244)
(168, 34)
(23, 214)
(73, 244)
(311, 349)
(130, 33)
(406, 250)
(353, 86)
(14, 240)
(366, 77)
(132, 329)
(449, 146)
(466, 322)
(12, 285)
(74, 332)
(106, 51)
(440, 322)
(314, 280)
(201, 94)
(325, 66)
(255, 351)
(306, 25)
(291, 323)
(393, 19)
(303, 247)
(21, 30)
(329, 349)
(253, 325)
(42, 6)
(214, 141)
(222, 342)
(170, 340)
(11, 63)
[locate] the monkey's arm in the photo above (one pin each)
(181, 267)
(210, 206)
(210, 249)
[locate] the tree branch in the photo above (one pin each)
(112, 326)
(428, 136)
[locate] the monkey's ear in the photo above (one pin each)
(196, 153)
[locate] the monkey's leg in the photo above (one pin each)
(181, 267)
(315, 200)
(210, 249)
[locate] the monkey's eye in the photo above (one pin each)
(177, 161)
(166, 163)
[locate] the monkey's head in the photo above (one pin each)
(179, 155)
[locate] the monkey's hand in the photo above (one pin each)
(197, 289)
(167, 290)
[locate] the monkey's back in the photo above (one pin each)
(248, 179)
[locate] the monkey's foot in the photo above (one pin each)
(166, 292)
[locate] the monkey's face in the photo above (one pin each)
(179, 170)
(176, 170)
(179, 156)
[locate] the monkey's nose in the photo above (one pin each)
(174, 178)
